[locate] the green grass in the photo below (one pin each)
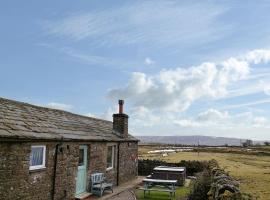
(155, 195)
(181, 192)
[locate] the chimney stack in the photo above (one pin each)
(120, 121)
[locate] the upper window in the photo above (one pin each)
(110, 157)
(37, 157)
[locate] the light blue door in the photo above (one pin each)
(82, 166)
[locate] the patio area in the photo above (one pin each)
(121, 192)
(129, 191)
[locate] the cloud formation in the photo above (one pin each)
(139, 23)
(149, 61)
(216, 119)
(176, 89)
(160, 102)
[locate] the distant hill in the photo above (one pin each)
(191, 140)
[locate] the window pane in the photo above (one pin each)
(109, 156)
(36, 157)
(81, 155)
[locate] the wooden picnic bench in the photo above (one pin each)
(170, 173)
(163, 186)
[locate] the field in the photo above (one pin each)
(252, 171)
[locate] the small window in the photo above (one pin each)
(81, 157)
(37, 157)
(110, 157)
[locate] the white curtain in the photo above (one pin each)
(36, 157)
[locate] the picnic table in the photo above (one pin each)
(163, 186)
(170, 173)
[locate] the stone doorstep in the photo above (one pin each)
(83, 195)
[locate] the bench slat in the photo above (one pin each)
(160, 190)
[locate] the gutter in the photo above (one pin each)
(118, 161)
(54, 171)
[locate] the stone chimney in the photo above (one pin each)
(120, 121)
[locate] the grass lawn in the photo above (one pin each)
(155, 195)
(252, 171)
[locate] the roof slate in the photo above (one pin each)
(25, 121)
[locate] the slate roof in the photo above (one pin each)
(25, 121)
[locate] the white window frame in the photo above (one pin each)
(113, 150)
(43, 159)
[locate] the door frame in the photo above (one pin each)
(83, 167)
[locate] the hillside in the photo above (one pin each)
(191, 140)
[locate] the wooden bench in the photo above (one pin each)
(170, 173)
(99, 185)
(163, 186)
(172, 192)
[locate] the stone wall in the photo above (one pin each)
(18, 182)
(128, 165)
(215, 183)
(98, 161)
(224, 186)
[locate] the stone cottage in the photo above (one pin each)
(50, 154)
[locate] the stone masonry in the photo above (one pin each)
(18, 182)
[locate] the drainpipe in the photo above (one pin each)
(54, 171)
(118, 161)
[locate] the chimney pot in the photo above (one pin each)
(121, 106)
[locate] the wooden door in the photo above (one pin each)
(82, 167)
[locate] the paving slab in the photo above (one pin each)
(121, 192)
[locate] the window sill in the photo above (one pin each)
(37, 169)
(109, 169)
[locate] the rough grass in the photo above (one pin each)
(252, 171)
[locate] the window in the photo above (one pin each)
(110, 157)
(81, 157)
(37, 157)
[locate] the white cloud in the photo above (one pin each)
(212, 115)
(258, 56)
(91, 115)
(211, 122)
(60, 106)
(260, 121)
(186, 123)
(149, 61)
(248, 104)
(159, 102)
(208, 118)
(266, 87)
(175, 23)
(107, 115)
(94, 60)
(144, 117)
(176, 89)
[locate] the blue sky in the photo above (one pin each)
(183, 67)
